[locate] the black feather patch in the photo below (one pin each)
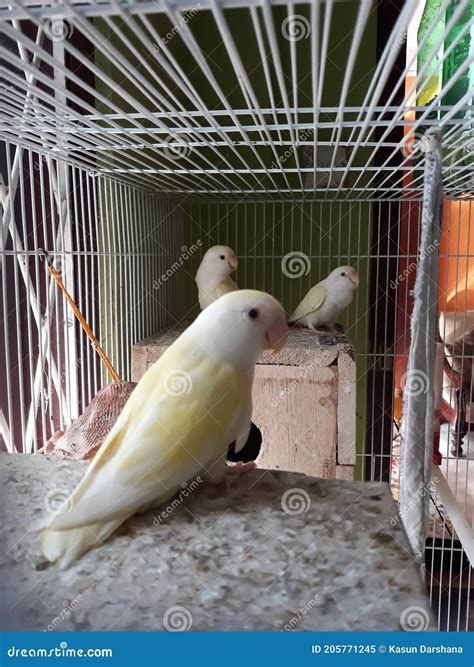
(249, 451)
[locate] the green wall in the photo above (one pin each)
(262, 233)
(330, 234)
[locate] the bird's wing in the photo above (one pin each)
(313, 300)
(244, 427)
(167, 433)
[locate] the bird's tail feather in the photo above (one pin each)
(66, 546)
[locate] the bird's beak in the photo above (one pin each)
(276, 335)
(355, 279)
(233, 263)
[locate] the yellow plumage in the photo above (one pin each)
(227, 285)
(176, 424)
(324, 302)
(313, 300)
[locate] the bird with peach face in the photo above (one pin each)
(164, 438)
(323, 304)
(213, 281)
(213, 275)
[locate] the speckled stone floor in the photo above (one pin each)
(280, 551)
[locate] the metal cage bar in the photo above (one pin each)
(125, 145)
(213, 141)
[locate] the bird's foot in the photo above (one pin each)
(233, 473)
(319, 330)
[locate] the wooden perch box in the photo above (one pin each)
(303, 401)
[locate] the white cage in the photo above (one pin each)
(137, 134)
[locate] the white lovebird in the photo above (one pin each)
(213, 275)
(324, 302)
(177, 423)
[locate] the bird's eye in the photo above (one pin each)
(222, 257)
(253, 313)
(343, 274)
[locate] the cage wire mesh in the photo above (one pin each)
(137, 134)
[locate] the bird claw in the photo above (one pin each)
(320, 331)
(232, 475)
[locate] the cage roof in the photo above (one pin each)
(230, 99)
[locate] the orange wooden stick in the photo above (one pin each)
(80, 317)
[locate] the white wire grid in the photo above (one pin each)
(368, 235)
(86, 170)
(182, 123)
(111, 242)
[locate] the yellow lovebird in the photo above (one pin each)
(177, 423)
(213, 275)
(324, 302)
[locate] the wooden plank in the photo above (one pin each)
(297, 418)
(304, 403)
(346, 410)
(303, 348)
